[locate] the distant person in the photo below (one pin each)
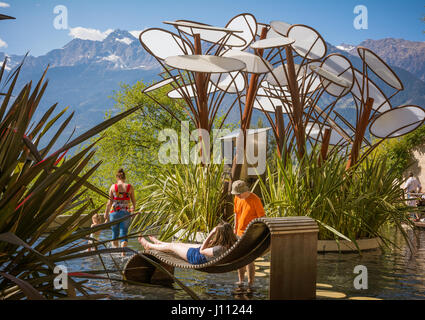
(220, 239)
(120, 194)
(95, 235)
(412, 187)
(247, 207)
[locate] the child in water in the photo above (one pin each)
(95, 222)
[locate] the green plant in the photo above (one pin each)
(399, 152)
(184, 200)
(36, 185)
(133, 143)
(350, 205)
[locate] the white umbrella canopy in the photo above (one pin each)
(233, 82)
(316, 131)
(340, 66)
(189, 90)
(267, 90)
(331, 80)
(278, 77)
(380, 68)
(160, 84)
(268, 104)
(198, 26)
(209, 33)
(308, 81)
(247, 24)
(270, 43)
(309, 43)
(205, 63)
(254, 64)
(270, 33)
(280, 27)
(397, 122)
(162, 43)
(380, 101)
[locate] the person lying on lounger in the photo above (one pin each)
(220, 239)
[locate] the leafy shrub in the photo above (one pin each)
(37, 185)
(351, 204)
(184, 200)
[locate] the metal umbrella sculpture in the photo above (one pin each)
(5, 17)
(281, 70)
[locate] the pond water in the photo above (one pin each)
(396, 274)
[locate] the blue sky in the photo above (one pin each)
(33, 30)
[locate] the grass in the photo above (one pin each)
(184, 200)
(347, 205)
(39, 184)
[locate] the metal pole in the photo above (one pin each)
(325, 146)
(361, 129)
(280, 129)
(247, 114)
(296, 104)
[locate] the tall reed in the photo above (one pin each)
(348, 205)
(184, 200)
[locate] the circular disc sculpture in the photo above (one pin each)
(380, 68)
(397, 122)
(247, 24)
(283, 71)
(205, 64)
(5, 17)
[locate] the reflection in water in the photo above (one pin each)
(396, 274)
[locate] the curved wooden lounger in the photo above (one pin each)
(420, 225)
(291, 240)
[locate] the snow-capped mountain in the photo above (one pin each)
(84, 73)
(119, 51)
(345, 47)
(408, 55)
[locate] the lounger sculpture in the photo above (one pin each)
(292, 242)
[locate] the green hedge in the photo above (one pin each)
(399, 152)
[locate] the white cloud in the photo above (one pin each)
(3, 44)
(4, 5)
(88, 33)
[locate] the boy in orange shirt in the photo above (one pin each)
(247, 207)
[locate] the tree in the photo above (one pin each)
(133, 144)
(399, 152)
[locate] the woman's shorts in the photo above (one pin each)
(195, 257)
(120, 230)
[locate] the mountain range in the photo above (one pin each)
(84, 74)
(407, 55)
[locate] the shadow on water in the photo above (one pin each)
(396, 274)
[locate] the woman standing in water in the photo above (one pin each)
(120, 194)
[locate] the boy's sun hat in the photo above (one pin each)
(239, 187)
